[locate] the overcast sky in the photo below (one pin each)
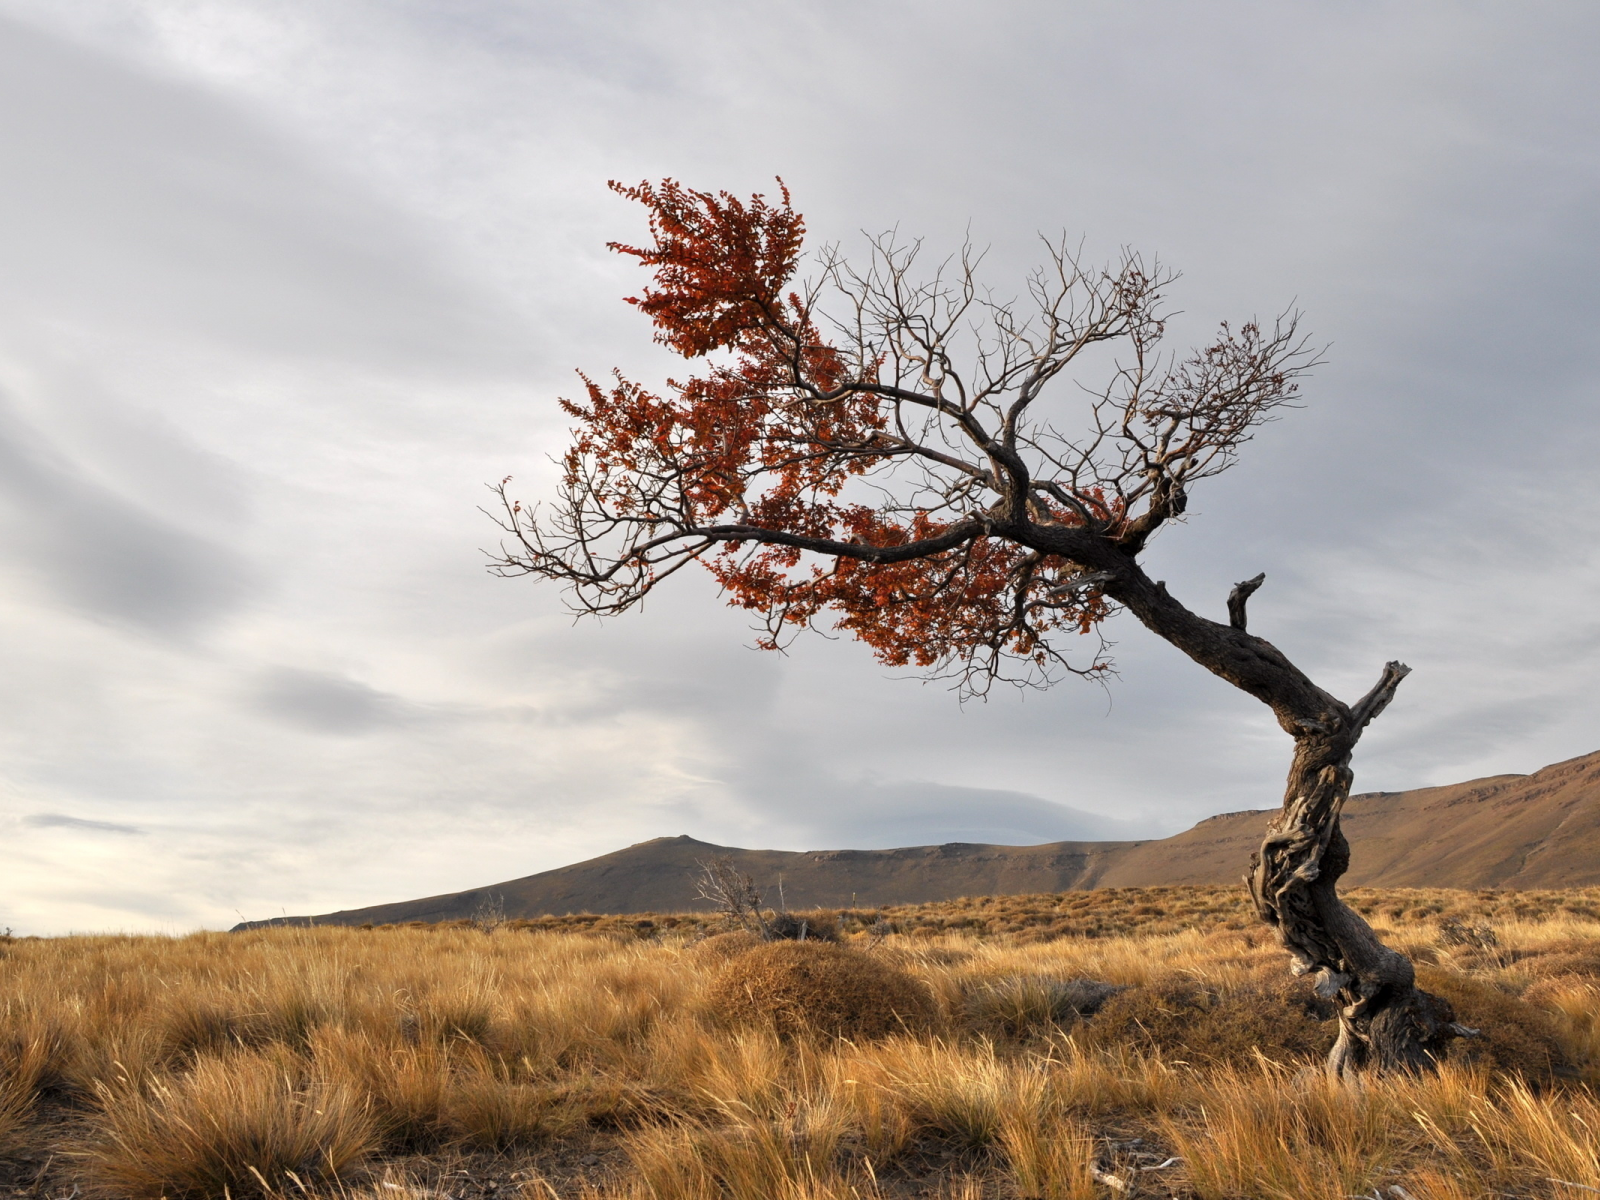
(285, 283)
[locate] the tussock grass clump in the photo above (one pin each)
(1570, 956)
(805, 987)
(241, 1124)
(26, 1058)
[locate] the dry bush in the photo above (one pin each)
(804, 926)
(239, 1124)
(1184, 1019)
(1515, 1037)
(1569, 956)
(1030, 1006)
(1453, 931)
(798, 987)
(720, 947)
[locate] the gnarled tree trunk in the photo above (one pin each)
(1386, 1023)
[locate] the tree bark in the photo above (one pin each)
(1386, 1023)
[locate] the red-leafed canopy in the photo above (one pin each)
(874, 449)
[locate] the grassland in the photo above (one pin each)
(589, 1057)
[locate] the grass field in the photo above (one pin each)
(600, 1057)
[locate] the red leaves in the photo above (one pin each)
(902, 477)
(761, 450)
(986, 596)
(720, 265)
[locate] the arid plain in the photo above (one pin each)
(603, 1057)
(1086, 1038)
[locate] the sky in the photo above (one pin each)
(284, 285)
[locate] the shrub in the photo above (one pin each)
(720, 947)
(1453, 931)
(820, 987)
(1186, 1020)
(804, 926)
(1514, 1036)
(1029, 1006)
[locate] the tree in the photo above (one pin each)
(877, 450)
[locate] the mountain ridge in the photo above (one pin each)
(1537, 830)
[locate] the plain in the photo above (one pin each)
(593, 1058)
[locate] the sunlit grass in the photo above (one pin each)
(579, 1063)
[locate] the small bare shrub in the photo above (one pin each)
(732, 893)
(817, 986)
(1453, 931)
(489, 914)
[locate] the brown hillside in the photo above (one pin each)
(1520, 831)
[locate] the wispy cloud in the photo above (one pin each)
(62, 821)
(283, 284)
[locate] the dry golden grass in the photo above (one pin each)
(565, 1060)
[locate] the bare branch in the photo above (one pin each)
(1365, 710)
(1240, 596)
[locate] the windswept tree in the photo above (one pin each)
(881, 450)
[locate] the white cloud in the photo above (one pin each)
(284, 284)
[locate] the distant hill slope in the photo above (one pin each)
(1535, 831)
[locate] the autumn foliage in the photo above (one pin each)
(850, 466)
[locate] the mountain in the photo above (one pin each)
(1517, 831)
